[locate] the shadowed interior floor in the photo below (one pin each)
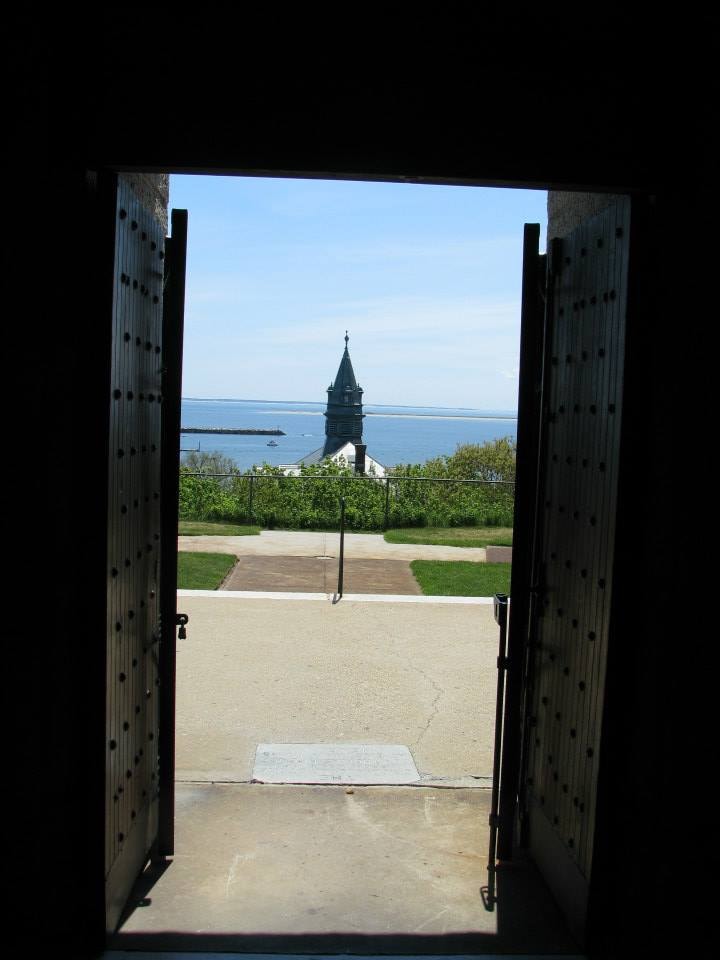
(256, 862)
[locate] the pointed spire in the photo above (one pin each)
(345, 381)
(343, 414)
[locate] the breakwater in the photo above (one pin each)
(277, 432)
(407, 438)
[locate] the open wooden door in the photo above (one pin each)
(574, 550)
(135, 634)
(561, 589)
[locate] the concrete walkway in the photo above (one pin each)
(293, 671)
(299, 543)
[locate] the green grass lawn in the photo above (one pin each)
(453, 536)
(204, 528)
(203, 571)
(461, 578)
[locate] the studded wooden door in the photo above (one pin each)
(574, 549)
(133, 559)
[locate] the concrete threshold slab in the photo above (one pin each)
(403, 598)
(331, 597)
(183, 955)
(339, 763)
(254, 595)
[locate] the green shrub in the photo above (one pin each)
(312, 500)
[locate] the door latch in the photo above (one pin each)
(182, 619)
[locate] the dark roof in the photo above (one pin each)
(345, 381)
(345, 376)
(317, 456)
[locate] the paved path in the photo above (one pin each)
(317, 575)
(299, 543)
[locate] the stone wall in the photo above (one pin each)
(153, 191)
(568, 210)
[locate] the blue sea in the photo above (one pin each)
(393, 434)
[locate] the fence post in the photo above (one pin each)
(342, 547)
(387, 503)
(250, 499)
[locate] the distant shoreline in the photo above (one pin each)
(252, 432)
(439, 416)
(403, 416)
(470, 415)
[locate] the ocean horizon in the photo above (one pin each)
(314, 403)
(394, 433)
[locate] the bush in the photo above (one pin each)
(312, 500)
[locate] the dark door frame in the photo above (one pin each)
(513, 703)
(539, 100)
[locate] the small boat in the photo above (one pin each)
(272, 443)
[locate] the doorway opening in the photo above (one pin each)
(311, 673)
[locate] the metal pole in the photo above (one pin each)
(342, 547)
(501, 609)
(387, 503)
(250, 500)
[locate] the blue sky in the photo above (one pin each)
(425, 278)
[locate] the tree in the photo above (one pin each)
(493, 460)
(197, 461)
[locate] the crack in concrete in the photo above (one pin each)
(439, 692)
(433, 707)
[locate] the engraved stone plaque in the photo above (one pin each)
(341, 763)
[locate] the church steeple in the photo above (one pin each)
(343, 415)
